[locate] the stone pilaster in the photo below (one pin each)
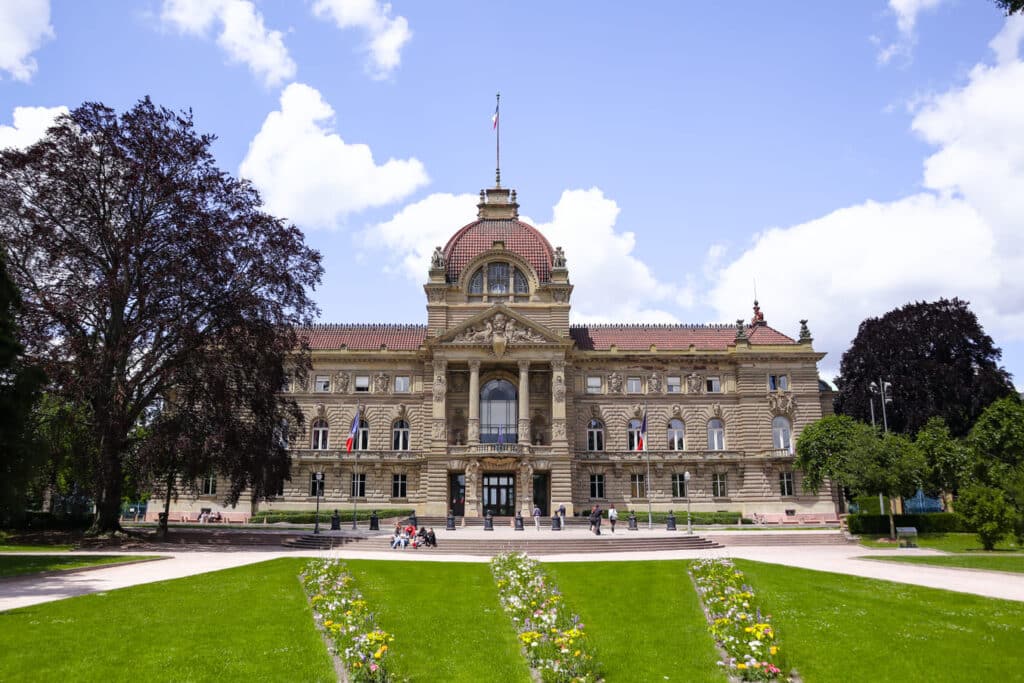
(524, 401)
(474, 402)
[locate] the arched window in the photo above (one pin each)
(781, 433)
(519, 280)
(497, 278)
(595, 436)
(362, 436)
(676, 435)
(716, 435)
(320, 435)
(476, 283)
(499, 412)
(633, 435)
(400, 436)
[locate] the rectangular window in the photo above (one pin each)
(402, 384)
(719, 485)
(359, 485)
(778, 383)
(679, 485)
(209, 485)
(674, 385)
(714, 385)
(637, 486)
(597, 486)
(594, 384)
(316, 487)
(633, 385)
(322, 383)
(362, 382)
(785, 483)
(398, 486)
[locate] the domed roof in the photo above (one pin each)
(498, 222)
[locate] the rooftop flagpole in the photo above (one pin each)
(497, 141)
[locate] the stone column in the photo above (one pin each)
(439, 430)
(474, 403)
(558, 435)
(524, 401)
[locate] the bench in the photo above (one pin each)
(906, 536)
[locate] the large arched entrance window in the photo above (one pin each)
(499, 413)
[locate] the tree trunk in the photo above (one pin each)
(108, 500)
(162, 529)
(892, 518)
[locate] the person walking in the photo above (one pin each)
(613, 516)
(536, 516)
(561, 517)
(595, 520)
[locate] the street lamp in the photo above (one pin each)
(686, 483)
(319, 477)
(885, 389)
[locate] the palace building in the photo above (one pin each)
(497, 403)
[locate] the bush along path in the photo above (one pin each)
(346, 620)
(745, 635)
(553, 638)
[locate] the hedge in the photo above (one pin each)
(695, 517)
(931, 522)
(48, 521)
(309, 516)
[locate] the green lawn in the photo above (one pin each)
(16, 565)
(845, 628)
(949, 542)
(643, 617)
(34, 548)
(251, 623)
(445, 617)
(1003, 562)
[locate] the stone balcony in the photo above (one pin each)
(341, 455)
(500, 449)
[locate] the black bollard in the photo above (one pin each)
(556, 522)
(670, 524)
(374, 521)
(413, 520)
(335, 521)
(449, 524)
(488, 521)
(632, 521)
(519, 520)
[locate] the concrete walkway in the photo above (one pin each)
(842, 559)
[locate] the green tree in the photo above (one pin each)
(986, 513)
(892, 466)
(141, 256)
(948, 459)
(997, 440)
(825, 447)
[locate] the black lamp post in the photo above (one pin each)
(686, 480)
(319, 478)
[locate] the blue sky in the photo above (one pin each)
(849, 157)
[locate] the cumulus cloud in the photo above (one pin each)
(906, 13)
(24, 26)
(385, 35)
(29, 125)
(307, 173)
(242, 34)
(959, 236)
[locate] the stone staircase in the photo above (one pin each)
(779, 538)
(322, 541)
(605, 543)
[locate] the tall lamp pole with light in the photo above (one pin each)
(885, 389)
(686, 483)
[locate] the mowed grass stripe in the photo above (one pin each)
(19, 565)
(644, 619)
(836, 627)
(446, 619)
(991, 562)
(250, 623)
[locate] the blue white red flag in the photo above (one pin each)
(352, 432)
(494, 119)
(641, 437)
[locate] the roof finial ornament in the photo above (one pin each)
(805, 332)
(758, 318)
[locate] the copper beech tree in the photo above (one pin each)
(159, 294)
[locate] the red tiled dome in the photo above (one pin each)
(479, 236)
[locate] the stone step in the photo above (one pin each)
(320, 541)
(780, 539)
(554, 546)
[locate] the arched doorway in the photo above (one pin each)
(499, 412)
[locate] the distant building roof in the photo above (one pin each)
(669, 337)
(369, 337)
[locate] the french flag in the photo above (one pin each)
(352, 432)
(494, 119)
(641, 438)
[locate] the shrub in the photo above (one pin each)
(695, 517)
(925, 523)
(986, 513)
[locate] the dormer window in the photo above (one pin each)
(497, 278)
(521, 287)
(496, 281)
(476, 283)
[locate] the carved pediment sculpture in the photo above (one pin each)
(499, 330)
(694, 383)
(782, 403)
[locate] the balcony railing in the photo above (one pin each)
(337, 454)
(500, 449)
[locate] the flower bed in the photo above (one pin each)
(552, 637)
(736, 622)
(339, 608)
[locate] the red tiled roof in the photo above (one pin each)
(479, 236)
(364, 337)
(669, 337)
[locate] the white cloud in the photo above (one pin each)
(30, 124)
(386, 35)
(307, 173)
(961, 236)
(243, 36)
(24, 25)
(906, 12)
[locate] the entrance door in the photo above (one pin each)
(541, 495)
(500, 494)
(457, 493)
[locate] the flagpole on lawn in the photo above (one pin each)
(497, 141)
(647, 481)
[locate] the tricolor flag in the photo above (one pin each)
(641, 437)
(352, 432)
(494, 119)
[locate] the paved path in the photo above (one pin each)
(21, 592)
